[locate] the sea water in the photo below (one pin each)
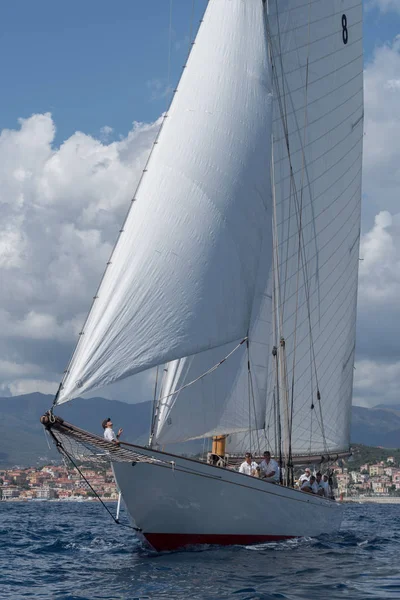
(69, 550)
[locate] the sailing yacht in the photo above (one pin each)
(235, 274)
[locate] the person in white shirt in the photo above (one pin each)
(269, 468)
(318, 481)
(305, 477)
(309, 486)
(109, 433)
(314, 485)
(325, 486)
(249, 466)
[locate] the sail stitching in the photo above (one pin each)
(330, 93)
(323, 117)
(316, 40)
(338, 197)
(326, 260)
(326, 18)
(288, 10)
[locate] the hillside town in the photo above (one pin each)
(57, 482)
(53, 482)
(380, 479)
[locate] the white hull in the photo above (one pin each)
(195, 503)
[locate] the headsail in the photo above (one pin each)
(318, 129)
(233, 397)
(182, 277)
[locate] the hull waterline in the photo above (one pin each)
(189, 503)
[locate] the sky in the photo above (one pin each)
(83, 87)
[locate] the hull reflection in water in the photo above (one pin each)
(195, 503)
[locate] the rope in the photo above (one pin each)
(205, 373)
(169, 54)
(62, 449)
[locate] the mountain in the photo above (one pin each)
(378, 426)
(23, 441)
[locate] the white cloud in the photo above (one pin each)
(105, 133)
(385, 5)
(28, 386)
(376, 382)
(382, 129)
(61, 209)
(379, 278)
(377, 375)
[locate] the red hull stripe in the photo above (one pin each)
(173, 541)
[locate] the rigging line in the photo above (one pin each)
(61, 448)
(303, 259)
(251, 392)
(206, 372)
(154, 409)
(337, 213)
(323, 118)
(191, 26)
(326, 295)
(169, 54)
(344, 329)
(282, 107)
(132, 202)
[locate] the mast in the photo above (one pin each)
(279, 348)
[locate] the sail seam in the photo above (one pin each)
(294, 8)
(326, 189)
(327, 259)
(323, 371)
(326, 170)
(329, 74)
(321, 39)
(343, 208)
(329, 306)
(323, 117)
(322, 58)
(327, 18)
(330, 93)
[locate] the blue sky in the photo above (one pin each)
(97, 63)
(90, 63)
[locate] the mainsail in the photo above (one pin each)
(183, 274)
(316, 57)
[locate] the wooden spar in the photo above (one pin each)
(218, 445)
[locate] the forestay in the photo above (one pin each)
(182, 276)
(318, 130)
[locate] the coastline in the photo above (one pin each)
(372, 500)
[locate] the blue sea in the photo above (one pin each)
(75, 551)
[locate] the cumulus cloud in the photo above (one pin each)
(377, 375)
(61, 209)
(382, 128)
